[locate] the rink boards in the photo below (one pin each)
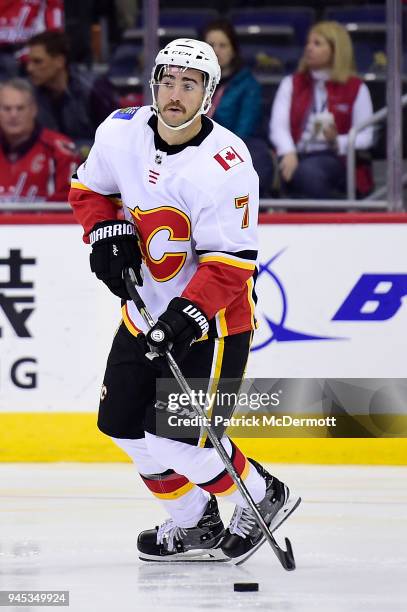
(331, 305)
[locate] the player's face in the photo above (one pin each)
(318, 52)
(17, 113)
(42, 67)
(179, 94)
(222, 47)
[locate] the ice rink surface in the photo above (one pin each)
(74, 527)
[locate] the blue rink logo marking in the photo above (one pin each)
(278, 330)
(126, 113)
(374, 297)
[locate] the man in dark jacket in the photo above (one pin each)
(68, 101)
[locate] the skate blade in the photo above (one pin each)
(213, 555)
(291, 504)
(216, 555)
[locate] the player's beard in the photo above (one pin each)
(179, 119)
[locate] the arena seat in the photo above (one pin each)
(367, 13)
(180, 18)
(299, 18)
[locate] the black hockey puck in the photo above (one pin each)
(242, 587)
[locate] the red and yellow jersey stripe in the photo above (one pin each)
(223, 286)
(90, 207)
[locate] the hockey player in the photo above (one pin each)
(189, 194)
(36, 164)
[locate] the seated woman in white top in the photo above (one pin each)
(312, 113)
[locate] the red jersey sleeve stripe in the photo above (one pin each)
(90, 207)
(215, 285)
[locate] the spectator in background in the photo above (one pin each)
(312, 113)
(237, 103)
(68, 101)
(19, 21)
(36, 164)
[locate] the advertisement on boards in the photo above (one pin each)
(331, 304)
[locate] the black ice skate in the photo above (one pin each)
(244, 536)
(172, 543)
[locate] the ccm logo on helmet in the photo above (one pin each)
(198, 317)
(110, 231)
(177, 52)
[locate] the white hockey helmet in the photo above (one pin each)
(188, 53)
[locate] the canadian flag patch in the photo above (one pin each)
(228, 158)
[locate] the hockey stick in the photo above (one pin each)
(286, 557)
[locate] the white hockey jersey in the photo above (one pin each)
(195, 208)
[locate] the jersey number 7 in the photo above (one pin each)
(243, 202)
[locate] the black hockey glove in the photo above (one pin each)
(114, 247)
(177, 328)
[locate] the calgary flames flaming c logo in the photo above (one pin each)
(178, 227)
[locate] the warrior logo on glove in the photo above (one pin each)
(177, 328)
(199, 318)
(111, 230)
(114, 248)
